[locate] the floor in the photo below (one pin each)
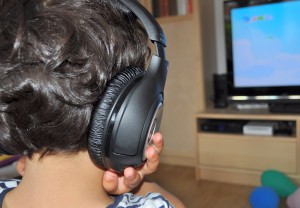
(202, 194)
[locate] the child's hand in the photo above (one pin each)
(119, 184)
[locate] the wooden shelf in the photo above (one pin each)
(245, 114)
(242, 137)
(239, 158)
(168, 19)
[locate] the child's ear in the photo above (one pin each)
(21, 165)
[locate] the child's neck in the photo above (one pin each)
(60, 181)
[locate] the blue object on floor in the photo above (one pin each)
(264, 197)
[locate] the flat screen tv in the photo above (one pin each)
(262, 40)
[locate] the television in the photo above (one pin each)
(262, 40)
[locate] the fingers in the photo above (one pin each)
(116, 184)
(152, 155)
(131, 178)
(119, 184)
(110, 182)
(158, 142)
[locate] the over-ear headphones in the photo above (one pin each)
(130, 110)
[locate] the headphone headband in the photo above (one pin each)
(152, 27)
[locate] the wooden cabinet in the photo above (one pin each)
(239, 158)
(184, 90)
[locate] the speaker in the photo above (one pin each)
(220, 90)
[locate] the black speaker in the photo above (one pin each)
(220, 90)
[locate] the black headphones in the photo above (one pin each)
(130, 110)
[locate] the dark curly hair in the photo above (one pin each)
(56, 57)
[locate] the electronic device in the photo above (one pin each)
(220, 90)
(221, 125)
(284, 107)
(130, 110)
(262, 50)
(252, 106)
(259, 128)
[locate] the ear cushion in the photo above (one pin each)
(114, 89)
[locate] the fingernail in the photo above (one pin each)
(110, 176)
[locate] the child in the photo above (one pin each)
(56, 58)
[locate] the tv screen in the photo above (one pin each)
(263, 49)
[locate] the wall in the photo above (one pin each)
(213, 43)
(185, 88)
(182, 95)
(219, 37)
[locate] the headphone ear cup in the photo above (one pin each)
(104, 107)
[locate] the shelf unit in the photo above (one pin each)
(241, 159)
(171, 7)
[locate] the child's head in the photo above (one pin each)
(56, 57)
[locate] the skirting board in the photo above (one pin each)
(177, 160)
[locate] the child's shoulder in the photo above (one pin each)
(151, 200)
(8, 184)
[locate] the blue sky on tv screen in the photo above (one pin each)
(266, 45)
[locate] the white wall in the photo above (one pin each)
(220, 37)
(182, 93)
(183, 90)
(214, 60)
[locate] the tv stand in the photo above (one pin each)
(284, 107)
(229, 155)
